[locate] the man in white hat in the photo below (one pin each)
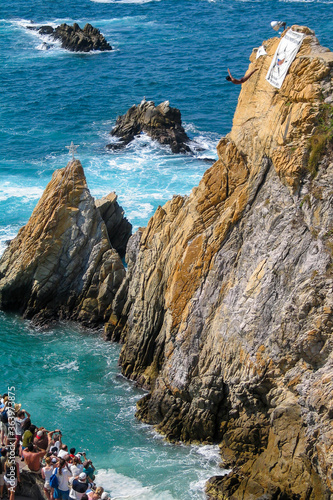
(79, 486)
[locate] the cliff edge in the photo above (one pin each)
(228, 317)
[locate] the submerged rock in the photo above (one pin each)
(162, 123)
(61, 265)
(230, 301)
(74, 38)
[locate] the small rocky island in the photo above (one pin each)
(74, 38)
(162, 123)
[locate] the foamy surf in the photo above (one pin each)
(9, 190)
(126, 488)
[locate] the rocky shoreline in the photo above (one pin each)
(225, 311)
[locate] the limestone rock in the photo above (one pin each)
(162, 123)
(61, 265)
(230, 301)
(74, 38)
(118, 227)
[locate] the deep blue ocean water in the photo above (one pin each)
(176, 50)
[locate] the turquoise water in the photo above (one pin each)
(176, 50)
(68, 378)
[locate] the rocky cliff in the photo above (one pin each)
(229, 309)
(62, 265)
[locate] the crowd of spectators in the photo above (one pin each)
(67, 474)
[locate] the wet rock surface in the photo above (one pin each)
(162, 123)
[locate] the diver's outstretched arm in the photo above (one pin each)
(246, 77)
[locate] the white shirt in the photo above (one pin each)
(63, 479)
(62, 453)
(76, 469)
(18, 425)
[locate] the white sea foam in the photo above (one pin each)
(124, 487)
(7, 233)
(141, 210)
(48, 43)
(71, 366)
(8, 190)
(71, 402)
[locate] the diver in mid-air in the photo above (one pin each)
(230, 78)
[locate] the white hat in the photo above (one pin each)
(82, 476)
(105, 496)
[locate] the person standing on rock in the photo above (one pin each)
(47, 472)
(63, 475)
(12, 477)
(237, 81)
(20, 419)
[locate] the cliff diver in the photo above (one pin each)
(244, 78)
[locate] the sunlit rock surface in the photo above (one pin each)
(229, 309)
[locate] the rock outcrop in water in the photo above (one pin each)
(230, 301)
(74, 38)
(62, 265)
(162, 123)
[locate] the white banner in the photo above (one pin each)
(283, 57)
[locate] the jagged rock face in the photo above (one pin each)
(61, 264)
(230, 299)
(162, 123)
(118, 227)
(75, 39)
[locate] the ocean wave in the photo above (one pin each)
(125, 1)
(124, 487)
(7, 190)
(72, 402)
(71, 366)
(7, 233)
(321, 2)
